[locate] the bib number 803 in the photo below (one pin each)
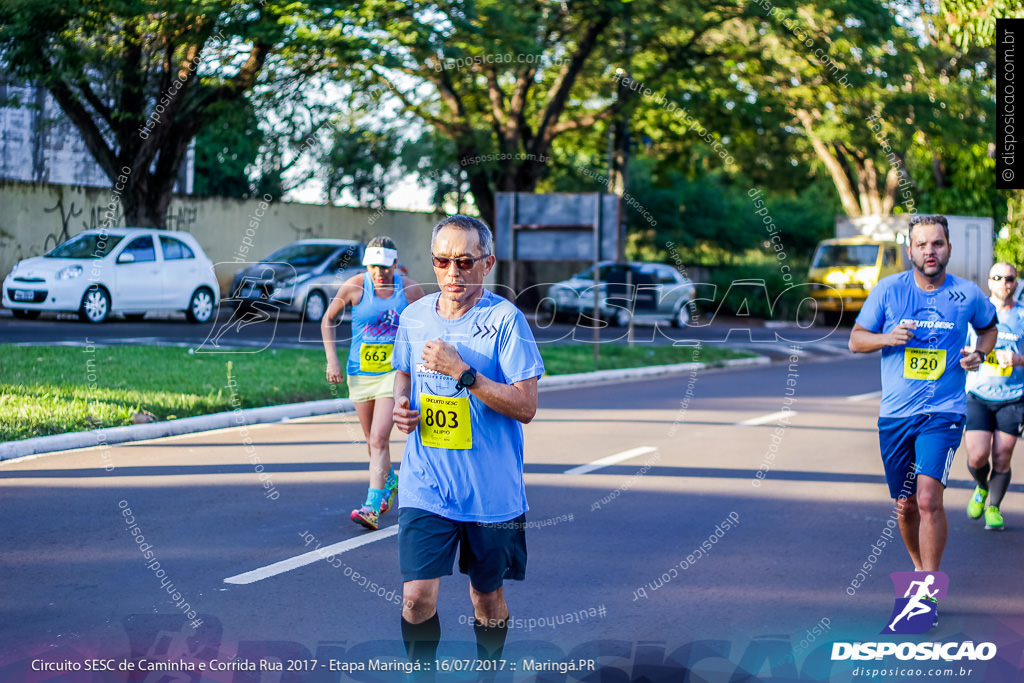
(441, 418)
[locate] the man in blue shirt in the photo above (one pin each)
(919, 319)
(467, 377)
(995, 406)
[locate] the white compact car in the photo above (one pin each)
(130, 271)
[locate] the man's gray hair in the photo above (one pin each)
(466, 223)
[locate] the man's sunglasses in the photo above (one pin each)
(997, 278)
(463, 262)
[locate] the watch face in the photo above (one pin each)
(467, 378)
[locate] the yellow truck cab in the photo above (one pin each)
(851, 267)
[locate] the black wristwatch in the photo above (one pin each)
(981, 355)
(466, 380)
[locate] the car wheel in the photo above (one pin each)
(316, 306)
(22, 314)
(200, 307)
(95, 305)
(134, 316)
(620, 318)
(681, 316)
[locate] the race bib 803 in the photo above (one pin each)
(444, 422)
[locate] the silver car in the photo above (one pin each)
(661, 293)
(300, 278)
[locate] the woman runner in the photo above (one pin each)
(377, 298)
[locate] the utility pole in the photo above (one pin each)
(618, 153)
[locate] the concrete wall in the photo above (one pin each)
(34, 218)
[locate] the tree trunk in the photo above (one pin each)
(840, 179)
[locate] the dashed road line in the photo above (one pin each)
(611, 460)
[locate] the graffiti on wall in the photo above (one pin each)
(55, 238)
(307, 233)
(182, 219)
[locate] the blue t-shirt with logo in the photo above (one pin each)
(480, 477)
(924, 376)
(991, 382)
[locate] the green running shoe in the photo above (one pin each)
(993, 519)
(977, 504)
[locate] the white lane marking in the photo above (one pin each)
(838, 349)
(765, 419)
(311, 557)
(338, 548)
(611, 460)
(865, 397)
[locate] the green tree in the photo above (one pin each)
(431, 157)
(974, 21)
(498, 79)
(227, 149)
(364, 161)
(882, 101)
(140, 78)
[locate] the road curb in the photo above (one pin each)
(583, 379)
(44, 445)
(41, 445)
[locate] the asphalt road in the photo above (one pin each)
(617, 547)
(287, 331)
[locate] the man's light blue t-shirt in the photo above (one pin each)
(482, 482)
(925, 376)
(989, 381)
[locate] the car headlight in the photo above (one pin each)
(838, 277)
(69, 273)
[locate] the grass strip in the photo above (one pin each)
(56, 389)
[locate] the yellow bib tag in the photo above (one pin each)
(444, 422)
(375, 357)
(924, 363)
(991, 367)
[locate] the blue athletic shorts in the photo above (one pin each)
(919, 444)
(488, 552)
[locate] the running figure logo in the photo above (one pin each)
(917, 596)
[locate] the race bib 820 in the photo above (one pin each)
(924, 363)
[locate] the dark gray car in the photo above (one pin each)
(300, 278)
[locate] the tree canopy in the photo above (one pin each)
(848, 106)
(140, 78)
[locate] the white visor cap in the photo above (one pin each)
(380, 256)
